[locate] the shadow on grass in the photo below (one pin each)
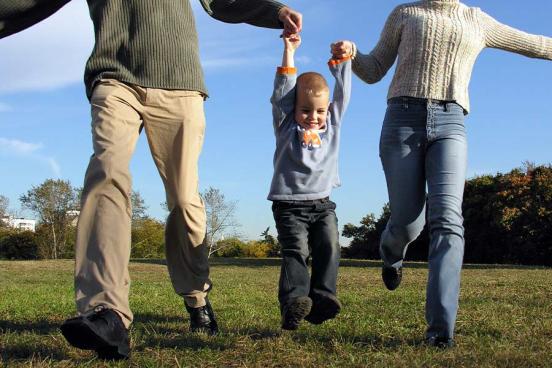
(375, 342)
(37, 327)
(26, 352)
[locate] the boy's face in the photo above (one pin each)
(311, 111)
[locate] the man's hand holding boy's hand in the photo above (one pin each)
(292, 20)
(342, 49)
(291, 42)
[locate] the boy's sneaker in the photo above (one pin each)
(294, 311)
(391, 277)
(101, 330)
(202, 319)
(440, 342)
(324, 307)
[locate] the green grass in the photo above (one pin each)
(505, 319)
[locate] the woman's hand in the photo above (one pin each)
(341, 49)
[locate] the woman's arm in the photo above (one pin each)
(372, 67)
(501, 36)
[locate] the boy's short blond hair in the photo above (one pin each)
(312, 83)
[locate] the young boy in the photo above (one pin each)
(307, 127)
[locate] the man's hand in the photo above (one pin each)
(341, 49)
(292, 41)
(293, 21)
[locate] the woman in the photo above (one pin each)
(423, 140)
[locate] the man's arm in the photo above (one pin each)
(283, 97)
(17, 15)
(262, 13)
(341, 70)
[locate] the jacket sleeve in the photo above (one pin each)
(501, 36)
(261, 13)
(372, 67)
(341, 70)
(17, 15)
(283, 96)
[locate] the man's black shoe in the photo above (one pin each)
(202, 319)
(391, 277)
(440, 342)
(294, 311)
(101, 330)
(324, 307)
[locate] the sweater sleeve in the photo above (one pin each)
(283, 96)
(17, 15)
(501, 36)
(372, 67)
(262, 13)
(341, 70)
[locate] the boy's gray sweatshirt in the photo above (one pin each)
(305, 168)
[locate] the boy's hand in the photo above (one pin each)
(341, 49)
(292, 41)
(293, 21)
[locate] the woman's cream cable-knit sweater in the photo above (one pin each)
(437, 42)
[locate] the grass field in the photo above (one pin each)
(505, 319)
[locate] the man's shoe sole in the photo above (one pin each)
(81, 334)
(296, 312)
(324, 308)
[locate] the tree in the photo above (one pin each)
(139, 207)
(274, 246)
(54, 202)
(148, 238)
(4, 204)
(220, 216)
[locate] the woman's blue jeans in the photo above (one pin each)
(424, 144)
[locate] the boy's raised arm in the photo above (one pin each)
(342, 72)
(283, 97)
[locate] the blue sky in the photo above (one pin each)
(45, 117)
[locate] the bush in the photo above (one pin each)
(257, 249)
(231, 247)
(19, 245)
(148, 239)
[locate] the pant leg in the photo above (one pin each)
(446, 175)
(402, 153)
(325, 250)
(174, 122)
(103, 233)
(293, 235)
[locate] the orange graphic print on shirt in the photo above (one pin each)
(310, 139)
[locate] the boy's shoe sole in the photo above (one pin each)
(324, 308)
(82, 333)
(295, 311)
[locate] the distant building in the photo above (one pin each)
(20, 223)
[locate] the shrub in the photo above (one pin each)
(19, 245)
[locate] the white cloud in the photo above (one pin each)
(53, 53)
(49, 55)
(17, 148)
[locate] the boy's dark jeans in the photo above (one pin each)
(304, 225)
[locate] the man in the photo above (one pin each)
(143, 73)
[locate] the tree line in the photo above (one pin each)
(507, 220)
(56, 205)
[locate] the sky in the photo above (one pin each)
(45, 116)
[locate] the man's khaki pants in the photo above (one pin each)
(174, 122)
